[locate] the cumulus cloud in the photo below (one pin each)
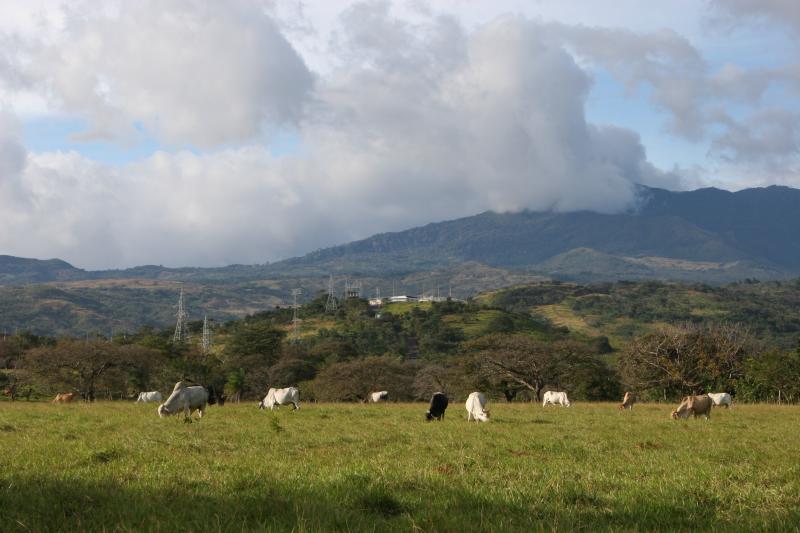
(771, 135)
(413, 120)
(432, 122)
(782, 12)
(698, 99)
(187, 72)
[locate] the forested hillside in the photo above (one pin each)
(121, 306)
(660, 340)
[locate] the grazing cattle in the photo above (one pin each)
(64, 397)
(153, 396)
(379, 396)
(437, 407)
(185, 399)
(556, 398)
(721, 398)
(693, 406)
(476, 407)
(628, 401)
(289, 395)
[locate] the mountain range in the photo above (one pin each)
(707, 235)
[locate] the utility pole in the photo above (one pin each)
(181, 327)
(295, 320)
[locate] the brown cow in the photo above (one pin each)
(64, 397)
(695, 406)
(628, 401)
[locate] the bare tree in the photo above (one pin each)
(687, 358)
(79, 365)
(354, 380)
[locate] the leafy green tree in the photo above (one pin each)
(256, 342)
(290, 372)
(775, 374)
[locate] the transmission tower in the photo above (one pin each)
(352, 289)
(331, 305)
(181, 327)
(295, 320)
(206, 346)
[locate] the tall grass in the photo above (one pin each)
(118, 467)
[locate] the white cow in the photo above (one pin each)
(476, 407)
(556, 398)
(153, 396)
(376, 397)
(185, 399)
(721, 398)
(289, 395)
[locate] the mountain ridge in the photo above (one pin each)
(754, 229)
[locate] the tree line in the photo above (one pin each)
(452, 347)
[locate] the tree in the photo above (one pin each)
(451, 376)
(354, 380)
(253, 347)
(79, 365)
(289, 372)
(259, 341)
(687, 358)
(511, 363)
(776, 371)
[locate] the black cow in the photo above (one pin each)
(437, 407)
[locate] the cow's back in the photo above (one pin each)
(476, 402)
(701, 405)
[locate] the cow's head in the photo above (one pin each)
(683, 411)
(483, 416)
(163, 411)
(622, 406)
(428, 416)
(261, 404)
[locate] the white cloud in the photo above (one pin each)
(414, 119)
(433, 123)
(767, 12)
(188, 72)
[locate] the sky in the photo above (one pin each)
(205, 133)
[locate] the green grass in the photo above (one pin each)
(118, 467)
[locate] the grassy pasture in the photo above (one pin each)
(118, 467)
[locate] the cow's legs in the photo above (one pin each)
(469, 416)
(296, 407)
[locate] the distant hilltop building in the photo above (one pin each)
(402, 298)
(434, 298)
